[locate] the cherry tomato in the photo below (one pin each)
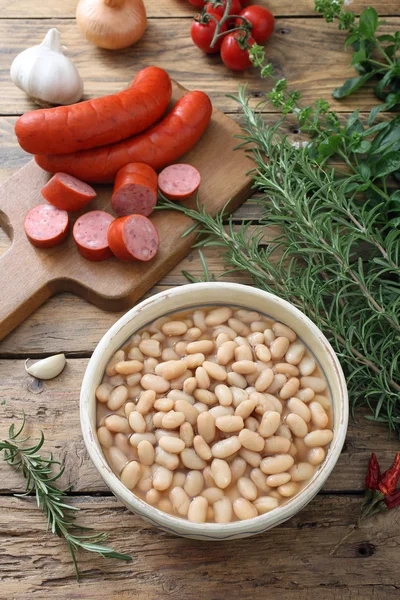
(197, 3)
(235, 9)
(234, 53)
(202, 32)
(262, 21)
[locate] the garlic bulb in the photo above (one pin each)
(112, 24)
(48, 368)
(46, 75)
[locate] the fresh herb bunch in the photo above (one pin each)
(315, 262)
(373, 55)
(369, 153)
(39, 475)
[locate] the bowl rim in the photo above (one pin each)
(179, 525)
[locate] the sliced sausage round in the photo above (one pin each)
(178, 182)
(90, 235)
(135, 190)
(133, 238)
(67, 192)
(46, 226)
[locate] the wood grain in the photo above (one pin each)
(54, 407)
(26, 9)
(308, 52)
(296, 561)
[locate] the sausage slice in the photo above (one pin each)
(90, 235)
(67, 192)
(178, 182)
(46, 226)
(135, 190)
(133, 238)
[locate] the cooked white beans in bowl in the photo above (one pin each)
(209, 415)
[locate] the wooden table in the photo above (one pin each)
(296, 561)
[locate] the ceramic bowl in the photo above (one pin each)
(203, 294)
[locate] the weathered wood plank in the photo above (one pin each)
(53, 406)
(293, 561)
(27, 9)
(308, 52)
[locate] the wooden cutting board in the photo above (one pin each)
(30, 275)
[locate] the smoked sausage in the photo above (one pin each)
(90, 235)
(158, 147)
(67, 192)
(179, 182)
(46, 226)
(133, 238)
(97, 122)
(135, 190)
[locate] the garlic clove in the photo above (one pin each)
(48, 368)
(46, 74)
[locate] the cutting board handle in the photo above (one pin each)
(21, 291)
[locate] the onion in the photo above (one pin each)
(112, 24)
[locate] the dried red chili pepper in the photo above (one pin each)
(390, 478)
(373, 474)
(393, 500)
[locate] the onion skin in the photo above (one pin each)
(112, 24)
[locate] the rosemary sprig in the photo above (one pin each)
(39, 475)
(315, 262)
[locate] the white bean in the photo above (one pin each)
(205, 396)
(305, 394)
(194, 483)
(217, 316)
(319, 417)
(226, 352)
(265, 504)
(153, 497)
(198, 510)
(146, 453)
(147, 399)
(163, 404)
(229, 423)
(255, 338)
(286, 369)
(116, 358)
(279, 347)
(263, 353)
(226, 447)
(269, 423)
(252, 458)
(187, 410)
(202, 448)
(236, 380)
(186, 434)
(243, 509)
(173, 419)
(315, 383)
(137, 422)
(278, 479)
(321, 437)
(103, 392)
(192, 361)
(192, 460)
(215, 371)
(295, 353)
(277, 384)
(245, 408)
(193, 334)
(198, 320)
(174, 369)
(283, 330)
(297, 425)
(251, 423)
(167, 460)
(128, 367)
(136, 438)
(221, 473)
(131, 474)
(264, 380)
(247, 488)
(238, 468)
(243, 353)
(200, 346)
(202, 378)
(244, 367)
(323, 400)
(145, 482)
(162, 479)
(169, 354)
(276, 464)
(251, 440)
(171, 328)
(290, 388)
(259, 479)
(189, 385)
(269, 336)
(221, 339)
(117, 424)
(150, 347)
(105, 437)
(276, 444)
(295, 405)
(122, 442)
(288, 489)
(176, 395)
(307, 366)
(301, 471)
(118, 397)
(316, 455)
(135, 354)
(171, 444)
(223, 394)
(180, 500)
(133, 380)
(117, 459)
